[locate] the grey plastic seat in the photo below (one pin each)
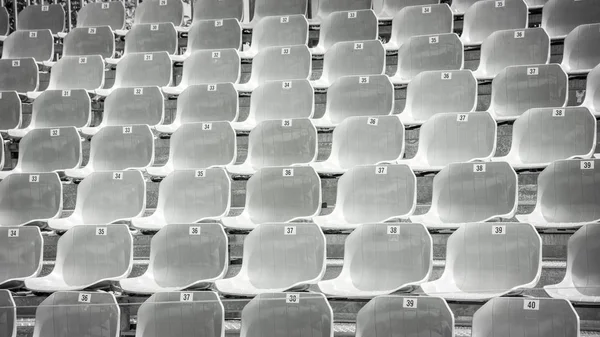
(188, 196)
(486, 17)
(72, 312)
(364, 140)
(435, 92)
(387, 9)
(96, 14)
(592, 96)
(371, 193)
(351, 58)
(279, 194)
(381, 259)
(535, 317)
(11, 115)
(201, 314)
(277, 31)
(426, 53)
(204, 103)
(158, 11)
(568, 195)
(30, 198)
(327, 7)
(512, 47)
(21, 251)
(346, 26)
(266, 8)
(212, 34)
(536, 142)
(581, 50)
(486, 260)
(425, 19)
(471, 192)
(517, 89)
(199, 145)
(430, 316)
(183, 256)
(19, 75)
(278, 257)
(2, 150)
(448, 138)
(218, 9)
(287, 99)
(278, 63)
(8, 314)
(149, 38)
(560, 17)
(279, 142)
(38, 44)
(4, 23)
(35, 17)
(84, 41)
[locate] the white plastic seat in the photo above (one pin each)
(560, 17)
(535, 317)
(149, 38)
(183, 256)
(517, 89)
(4, 23)
(212, 34)
(426, 53)
(346, 26)
(158, 11)
(279, 194)
(280, 142)
(426, 19)
(277, 31)
(486, 17)
(592, 93)
(327, 7)
(8, 313)
(363, 141)
(278, 257)
(293, 99)
(581, 51)
(84, 41)
(436, 92)
(19, 75)
(371, 193)
(219, 9)
(381, 259)
(471, 192)
(512, 47)
(487, 260)
(11, 115)
(430, 316)
(165, 314)
(460, 7)
(188, 196)
(266, 8)
(34, 17)
(278, 63)
(387, 9)
(448, 138)
(96, 14)
(38, 44)
(30, 198)
(351, 96)
(568, 195)
(351, 58)
(21, 251)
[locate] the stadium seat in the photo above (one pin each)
(34, 17)
(346, 26)
(459, 7)
(371, 193)
(388, 9)
(38, 44)
(220, 9)
(426, 19)
(19, 75)
(2, 153)
(8, 314)
(592, 86)
(11, 115)
(430, 316)
(580, 283)
(4, 23)
(149, 38)
(277, 31)
(581, 52)
(97, 14)
(188, 196)
(354, 95)
(104, 198)
(560, 17)
(177, 314)
(212, 34)
(512, 47)
(486, 17)
(30, 198)
(291, 99)
(486, 260)
(89, 41)
(363, 141)
(541, 136)
(278, 257)
(204, 103)
(532, 317)
(351, 58)
(327, 7)
(435, 92)
(183, 256)
(199, 145)
(72, 312)
(428, 52)
(471, 192)
(158, 11)
(381, 259)
(266, 8)
(128, 106)
(448, 138)
(567, 196)
(21, 252)
(279, 142)
(278, 63)
(208, 67)
(88, 257)
(517, 89)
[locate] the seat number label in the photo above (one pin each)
(531, 305)
(289, 230)
(13, 233)
(393, 230)
(533, 71)
(33, 35)
(288, 172)
(286, 123)
(34, 178)
(499, 3)
(358, 45)
(286, 84)
(558, 112)
(84, 298)
(186, 297)
(117, 175)
(434, 39)
(381, 169)
(409, 303)
(102, 231)
(479, 168)
(498, 230)
(372, 121)
(218, 23)
(519, 34)
(587, 165)
(426, 10)
(54, 132)
(127, 129)
(200, 174)
(194, 230)
(462, 118)
(363, 79)
(292, 298)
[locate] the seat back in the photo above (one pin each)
(215, 34)
(206, 103)
(218, 9)
(348, 26)
(592, 93)
(127, 106)
(90, 41)
(486, 17)
(158, 11)
(202, 145)
(459, 7)
(279, 31)
(4, 22)
(8, 314)
(425, 19)
(582, 248)
(56, 108)
(264, 8)
(212, 66)
(354, 58)
(50, 149)
(116, 148)
(144, 69)
(581, 48)
(560, 17)
(35, 17)
(281, 63)
(287, 99)
(78, 72)
(10, 110)
(151, 37)
(331, 6)
(388, 8)
(96, 14)
(21, 252)
(26, 197)
(19, 75)
(38, 44)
